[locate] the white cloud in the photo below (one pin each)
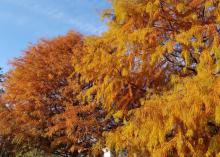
(55, 13)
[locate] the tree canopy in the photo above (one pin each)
(148, 86)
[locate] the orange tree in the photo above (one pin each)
(42, 93)
(4, 147)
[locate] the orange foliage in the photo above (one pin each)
(42, 93)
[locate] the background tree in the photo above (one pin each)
(4, 147)
(42, 93)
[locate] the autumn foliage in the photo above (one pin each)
(148, 86)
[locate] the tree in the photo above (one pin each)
(3, 151)
(42, 94)
(181, 39)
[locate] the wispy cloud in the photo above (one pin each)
(60, 15)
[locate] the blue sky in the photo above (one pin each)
(23, 22)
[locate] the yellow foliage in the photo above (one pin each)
(173, 120)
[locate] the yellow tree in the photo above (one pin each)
(168, 38)
(183, 121)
